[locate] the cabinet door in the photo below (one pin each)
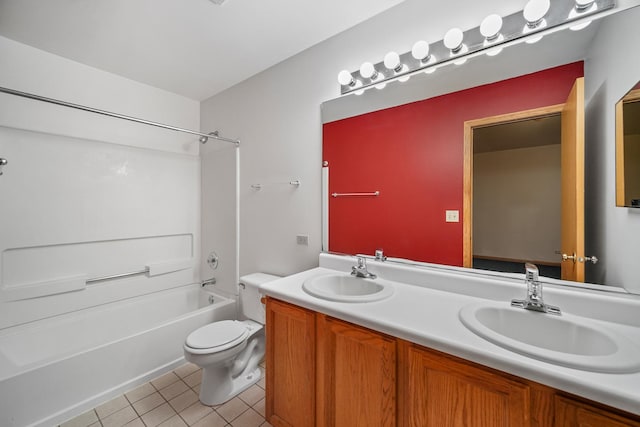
(435, 390)
(356, 376)
(290, 358)
(571, 413)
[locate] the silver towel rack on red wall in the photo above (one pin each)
(369, 194)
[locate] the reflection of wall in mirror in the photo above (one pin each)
(631, 168)
(413, 154)
(516, 204)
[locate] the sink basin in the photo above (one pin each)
(347, 288)
(566, 340)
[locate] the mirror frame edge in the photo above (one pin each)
(619, 155)
(632, 95)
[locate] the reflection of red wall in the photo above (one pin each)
(413, 154)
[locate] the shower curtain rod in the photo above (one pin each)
(203, 136)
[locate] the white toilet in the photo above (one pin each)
(229, 351)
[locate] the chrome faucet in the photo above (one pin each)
(207, 282)
(534, 299)
(380, 255)
(360, 270)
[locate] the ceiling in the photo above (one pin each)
(190, 47)
(529, 133)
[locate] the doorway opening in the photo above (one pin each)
(513, 192)
(516, 195)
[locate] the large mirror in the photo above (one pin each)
(398, 161)
(628, 149)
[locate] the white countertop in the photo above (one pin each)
(422, 312)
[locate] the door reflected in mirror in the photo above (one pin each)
(628, 149)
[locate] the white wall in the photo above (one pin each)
(85, 196)
(219, 213)
(516, 203)
(612, 232)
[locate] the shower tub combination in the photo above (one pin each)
(54, 369)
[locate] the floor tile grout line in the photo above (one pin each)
(236, 417)
(185, 421)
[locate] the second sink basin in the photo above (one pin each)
(347, 288)
(566, 340)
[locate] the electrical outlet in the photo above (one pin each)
(452, 216)
(302, 239)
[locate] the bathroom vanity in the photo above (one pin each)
(409, 360)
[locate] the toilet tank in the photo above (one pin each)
(250, 304)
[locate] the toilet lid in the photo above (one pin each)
(226, 333)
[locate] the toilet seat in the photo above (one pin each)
(217, 336)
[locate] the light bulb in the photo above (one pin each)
(453, 39)
(368, 71)
(420, 50)
(345, 78)
(392, 61)
(534, 12)
(490, 30)
(491, 26)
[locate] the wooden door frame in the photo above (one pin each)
(467, 193)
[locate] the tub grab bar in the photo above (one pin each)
(118, 276)
(150, 270)
(79, 282)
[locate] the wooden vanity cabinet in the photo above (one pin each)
(356, 375)
(437, 391)
(325, 372)
(573, 413)
(290, 358)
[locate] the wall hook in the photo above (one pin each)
(3, 162)
(295, 183)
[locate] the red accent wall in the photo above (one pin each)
(413, 155)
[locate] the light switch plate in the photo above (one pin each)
(302, 239)
(452, 216)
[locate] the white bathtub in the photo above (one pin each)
(54, 369)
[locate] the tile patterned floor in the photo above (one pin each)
(172, 401)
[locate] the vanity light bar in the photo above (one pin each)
(515, 28)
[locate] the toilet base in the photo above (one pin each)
(218, 387)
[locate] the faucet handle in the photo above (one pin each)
(360, 270)
(531, 272)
